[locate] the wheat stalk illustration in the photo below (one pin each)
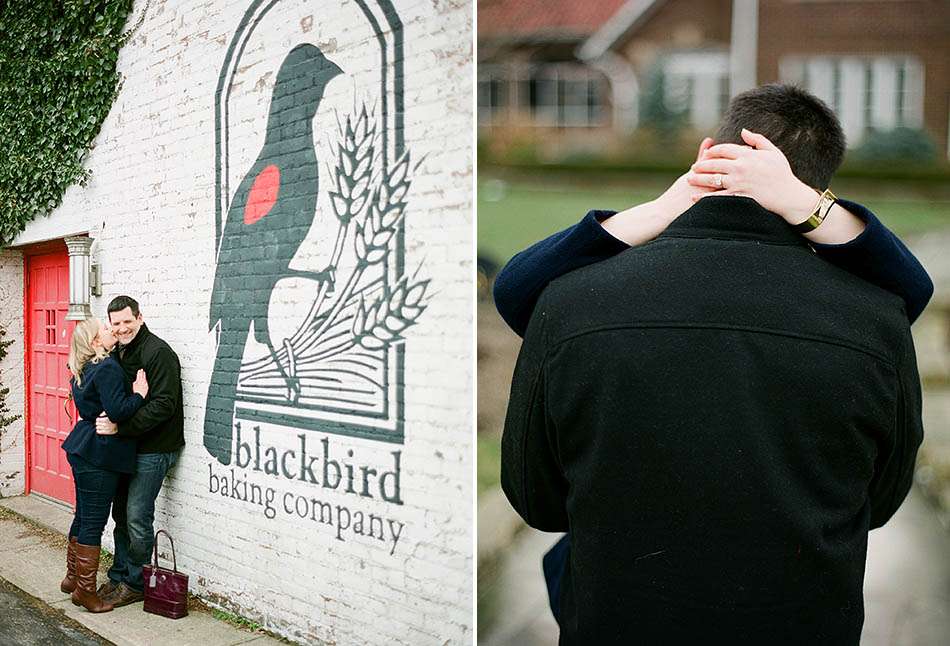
(384, 321)
(354, 167)
(352, 174)
(376, 231)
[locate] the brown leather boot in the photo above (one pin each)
(87, 566)
(69, 583)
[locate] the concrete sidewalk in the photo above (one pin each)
(34, 561)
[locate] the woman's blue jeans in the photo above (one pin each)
(553, 565)
(95, 491)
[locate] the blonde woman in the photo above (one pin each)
(97, 461)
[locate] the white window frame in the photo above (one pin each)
(491, 113)
(849, 84)
(556, 113)
(694, 82)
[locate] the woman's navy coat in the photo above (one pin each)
(103, 390)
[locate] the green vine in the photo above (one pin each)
(58, 80)
(6, 418)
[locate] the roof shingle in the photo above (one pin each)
(525, 18)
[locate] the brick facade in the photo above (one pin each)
(917, 28)
(890, 61)
(679, 24)
(371, 542)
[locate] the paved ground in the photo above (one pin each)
(33, 560)
(907, 582)
(28, 622)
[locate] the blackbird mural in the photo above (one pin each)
(341, 371)
(268, 219)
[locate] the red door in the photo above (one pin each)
(48, 334)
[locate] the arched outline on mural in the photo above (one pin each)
(388, 426)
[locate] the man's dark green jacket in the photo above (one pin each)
(717, 418)
(159, 425)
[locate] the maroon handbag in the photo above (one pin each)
(166, 591)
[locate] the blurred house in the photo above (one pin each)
(583, 73)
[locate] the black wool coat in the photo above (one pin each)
(159, 426)
(717, 418)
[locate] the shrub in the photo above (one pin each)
(58, 80)
(5, 417)
(655, 112)
(899, 144)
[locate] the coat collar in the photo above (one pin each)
(142, 333)
(733, 217)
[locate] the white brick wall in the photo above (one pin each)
(150, 207)
(12, 452)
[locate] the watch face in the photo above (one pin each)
(824, 206)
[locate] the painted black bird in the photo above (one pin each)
(266, 222)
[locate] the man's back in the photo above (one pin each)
(717, 417)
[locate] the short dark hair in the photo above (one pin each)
(119, 303)
(798, 123)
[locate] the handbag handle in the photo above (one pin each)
(155, 550)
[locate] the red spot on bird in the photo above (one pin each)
(263, 194)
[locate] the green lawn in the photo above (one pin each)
(513, 215)
(489, 461)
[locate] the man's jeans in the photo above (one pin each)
(134, 512)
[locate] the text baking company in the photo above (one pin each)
(337, 475)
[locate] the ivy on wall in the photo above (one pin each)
(6, 416)
(58, 80)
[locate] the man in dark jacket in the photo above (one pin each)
(717, 418)
(159, 428)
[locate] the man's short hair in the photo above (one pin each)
(797, 122)
(119, 303)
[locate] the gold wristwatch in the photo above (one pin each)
(819, 213)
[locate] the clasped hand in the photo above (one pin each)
(105, 426)
(760, 171)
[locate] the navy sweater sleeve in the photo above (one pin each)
(117, 403)
(877, 256)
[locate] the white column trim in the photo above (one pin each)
(744, 47)
(79, 296)
(624, 89)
